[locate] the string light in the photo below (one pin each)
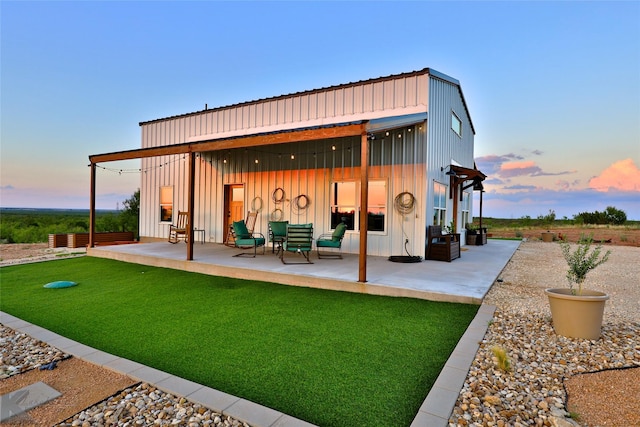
(252, 150)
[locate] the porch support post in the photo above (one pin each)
(481, 191)
(455, 205)
(191, 203)
(92, 206)
(364, 202)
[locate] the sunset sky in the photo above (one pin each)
(553, 88)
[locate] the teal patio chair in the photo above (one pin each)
(298, 241)
(246, 240)
(277, 234)
(331, 243)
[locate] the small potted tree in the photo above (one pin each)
(577, 312)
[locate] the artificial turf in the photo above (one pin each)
(330, 358)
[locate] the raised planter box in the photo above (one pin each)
(477, 237)
(81, 240)
(57, 241)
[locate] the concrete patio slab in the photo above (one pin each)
(466, 279)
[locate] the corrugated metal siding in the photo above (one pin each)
(395, 158)
(410, 161)
(342, 104)
(445, 145)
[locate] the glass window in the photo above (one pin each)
(439, 203)
(166, 204)
(345, 204)
(456, 124)
(377, 211)
(466, 205)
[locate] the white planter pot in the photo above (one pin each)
(577, 316)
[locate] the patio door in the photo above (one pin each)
(233, 205)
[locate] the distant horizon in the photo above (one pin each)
(55, 209)
(533, 217)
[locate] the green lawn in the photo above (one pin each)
(327, 357)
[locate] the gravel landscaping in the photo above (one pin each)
(533, 391)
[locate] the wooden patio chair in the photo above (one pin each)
(442, 247)
(246, 240)
(331, 242)
(277, 234)
(179, 230)
(298, 241)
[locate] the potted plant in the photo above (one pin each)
(472, 234)
(548, 236)
(577, 312)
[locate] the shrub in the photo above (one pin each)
(582, 261)
(611, 215)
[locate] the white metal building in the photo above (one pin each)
(318, 157)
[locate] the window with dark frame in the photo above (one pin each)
(456, 124)
(345, 204)
(166, 204)
(439, 204)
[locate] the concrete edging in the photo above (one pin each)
(438, 406)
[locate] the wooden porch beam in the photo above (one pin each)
(234, 142)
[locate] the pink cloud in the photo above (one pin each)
(623, 175)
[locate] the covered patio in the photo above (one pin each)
(465, 280)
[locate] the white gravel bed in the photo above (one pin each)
(532, 392)
(20, 353)
(145, 405)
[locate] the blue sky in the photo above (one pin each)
(553, 88)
